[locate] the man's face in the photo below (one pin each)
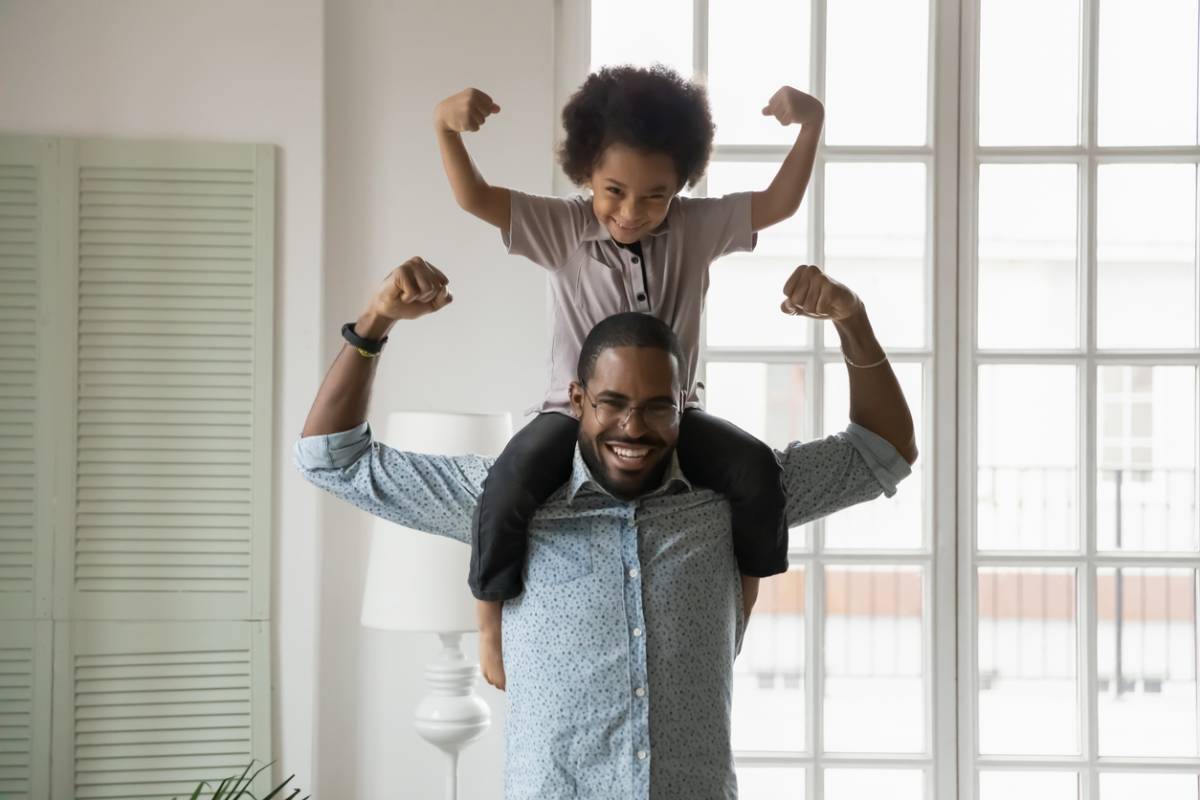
(629, 421)
(632, 191)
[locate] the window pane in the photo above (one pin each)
(1027, 256)
(769, 710)
(875, 226)
(872, 784)
(787, 240)
(754, 47)
(769, 401)
(1146, 487)
(874, 656)
(1007, 785)
(1147, 72)
(1028, 460)
(1146, 660)
(1026, 639)
(1028, 72)
(870, 105)
(1146, 254)
(662, 33)
(1142, 785)
(746, 288)
(884, 523)
(770, 783)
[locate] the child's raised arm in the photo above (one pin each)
(466, 111)
(782, 198)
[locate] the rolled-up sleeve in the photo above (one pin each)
(839, 471)
(718, 226)
(435, 494)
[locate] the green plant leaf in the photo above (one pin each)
(280, 788)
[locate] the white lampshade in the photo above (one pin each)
(417, 581)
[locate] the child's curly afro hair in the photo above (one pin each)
(652, 110)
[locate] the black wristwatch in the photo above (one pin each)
(368, 348)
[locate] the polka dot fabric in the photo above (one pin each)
(619, 654)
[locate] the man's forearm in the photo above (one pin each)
(345, 393)
(876, 400)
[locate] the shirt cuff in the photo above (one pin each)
(885, 461)
(745, 238)
(333, 450)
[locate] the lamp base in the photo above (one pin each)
(452, 716)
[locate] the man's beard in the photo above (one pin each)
(589, 449)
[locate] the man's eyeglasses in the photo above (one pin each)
(614, 411)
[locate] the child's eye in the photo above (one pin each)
(614, 190)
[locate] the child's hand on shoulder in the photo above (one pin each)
(464, 111)
(791, 106)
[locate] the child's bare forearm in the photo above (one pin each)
(473, 194)
(467, 111)
(782, 198)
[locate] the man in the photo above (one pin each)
(620, 651)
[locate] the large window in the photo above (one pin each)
(1078, 535)
(1011, 187)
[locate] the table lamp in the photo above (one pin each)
(417, 582)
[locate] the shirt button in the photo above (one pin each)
(634, 259)
(640, 692)
(637, 631)
(633, 573)
(641, 297)
(641, 755)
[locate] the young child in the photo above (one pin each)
(635, 138)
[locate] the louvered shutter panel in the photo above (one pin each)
(161, 670)
(173, 373)
(27, 249)
(158, 707)
(27, 242)
(25, 685)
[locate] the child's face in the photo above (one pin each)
(632, 191)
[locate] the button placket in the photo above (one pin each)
(639, 285)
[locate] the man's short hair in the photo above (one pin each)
(630, 329)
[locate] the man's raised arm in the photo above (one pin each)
(876, 400)
(413, 289)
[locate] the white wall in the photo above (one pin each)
(387, 64)
(219, 70)
(346, 92)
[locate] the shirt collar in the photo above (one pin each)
(581, 479)
(595, 232)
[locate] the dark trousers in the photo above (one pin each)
(713, 453)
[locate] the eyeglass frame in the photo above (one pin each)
(628, 412)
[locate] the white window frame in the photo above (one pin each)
(938, 553)
(1087, 156)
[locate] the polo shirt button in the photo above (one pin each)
(634, 259)
(637, 631)
(633, 573)
(641, 755)
(640, 692)
(641, 297)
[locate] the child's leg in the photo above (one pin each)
(491, 652)
(721, 456)
(534, 463)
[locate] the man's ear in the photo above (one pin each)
(575, 392)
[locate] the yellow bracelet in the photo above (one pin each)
(366, 353)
